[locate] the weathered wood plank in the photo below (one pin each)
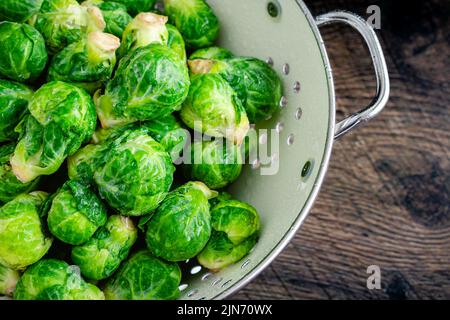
(387, 194)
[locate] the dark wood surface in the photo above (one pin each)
(386, 197)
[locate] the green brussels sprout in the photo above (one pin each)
(23, 52)
(180, 227)
(235, 226)
(144, 29)
(196, 21)
(82, 165)
(220, 252)
(88, 63)
(8, 280)
(62, 118)
(144, 277)
(222, 196)
(136, 6)
(215, 163)
(14, 98)
(63, 22)
(256, 84)
(175, 41)
(132, 171)
(237, 219)
(136, 176)
(102, 254)
(151, 82)
(211, 53)
(213, 107)
(115, 15)
(18, 10)
(52, 279)
(22, 240)
(75, 213)
(167, 131)
(10, 186)
(159, 129)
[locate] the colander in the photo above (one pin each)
(285, 34)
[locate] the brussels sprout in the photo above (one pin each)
(82, 165)
(213, 107)
(88, 63)
(75, 213)
(132, 171)
(222, 196)
(144, 29)
(237, 219)
(136, 6)
(169, 133)
(14, 98)
(18, 10)
(63, 22)
(215, 163)
(10, 186)
(196, 21)
(235, 226)
(22, 240)
(162, 130)
(174, 142)
(115, 15)
(176, 41)
(8, 280)
(136, 176)
(220, 252)
(150, 174)
(144, 277)
(256, 84)
(62, 118)
(102, 254)
(180, 227)
(52, 279)
(151, 82)
(22, 51)
(211, 53)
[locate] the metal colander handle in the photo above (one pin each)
(379, 63)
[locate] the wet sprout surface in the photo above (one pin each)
(103, 190)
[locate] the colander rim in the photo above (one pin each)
(278, 248)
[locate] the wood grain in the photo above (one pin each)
(386, 198)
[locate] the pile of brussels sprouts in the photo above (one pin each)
(98, 101)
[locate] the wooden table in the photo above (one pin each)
(386, 198)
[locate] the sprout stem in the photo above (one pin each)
(95, 19)
(8, 280)
(206, 191)
(150, 27)
(102, 46)
(200, 66)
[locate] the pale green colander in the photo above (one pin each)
(285, 34)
